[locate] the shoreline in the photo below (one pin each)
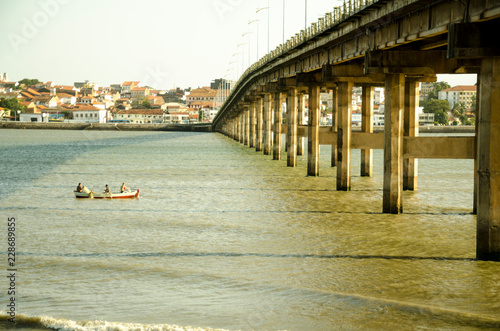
(106, 126)
(187, 127)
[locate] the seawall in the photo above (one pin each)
(107, 127)
(187, 127)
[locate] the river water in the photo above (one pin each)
(223, 237)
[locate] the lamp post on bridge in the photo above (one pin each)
(242, 58)
(257, 11)
(268, 25)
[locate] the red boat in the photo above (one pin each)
(128, 194)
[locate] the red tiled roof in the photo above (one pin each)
(461, 88)
(85, 108)
(141, 112)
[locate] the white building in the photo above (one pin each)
(140, 116)
(89, 114)
(459, 94)
(34, 117)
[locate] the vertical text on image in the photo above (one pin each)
(11, 268)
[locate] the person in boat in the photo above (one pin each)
(79, 187)
(106, 189)
(123, 188)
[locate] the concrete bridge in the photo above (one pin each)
(394, 44)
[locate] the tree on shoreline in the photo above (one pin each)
(12, 104)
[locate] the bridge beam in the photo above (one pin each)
(393, 150)
(418, 63)
(488, 140)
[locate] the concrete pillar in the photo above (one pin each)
(488, 142)
(235, 128)
(334, 124)
(267, 124)
(393, 149)
(253, 117)
(260, 125)
(291, 136)
(300, 121)
(344, 113)
(313, 132)
(241, 126)
(411, 128)
(278, 119)
(246, 121)
(367, 127)
(476, 166)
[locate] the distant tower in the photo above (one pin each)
(5, 77)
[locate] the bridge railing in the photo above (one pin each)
(331, 19)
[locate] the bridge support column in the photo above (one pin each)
(488, 140)
(411, 128)
(367, 127)
(252, 121)
(235, 128)
(291, 136)
(260, 119)
(246, 121)
(344, 99)
(300, 120)
(278, 119)
(393, 149)
(240, 124)
(334, 123)
(268, 133)
(313, 132)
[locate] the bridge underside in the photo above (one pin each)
(396, 45)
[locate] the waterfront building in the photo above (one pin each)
(89, 114)
(203, 97)
(459, 94)
(140, 116)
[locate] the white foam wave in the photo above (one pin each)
(69, 325)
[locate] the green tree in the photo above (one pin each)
(12, 104)
(433, 105)
(458, 109)
(440, 117)
(465, 120)
(438, 86)
(146, 104)
(29, 82)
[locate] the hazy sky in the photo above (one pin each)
(161, 43)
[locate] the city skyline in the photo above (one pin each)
(114, 41)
